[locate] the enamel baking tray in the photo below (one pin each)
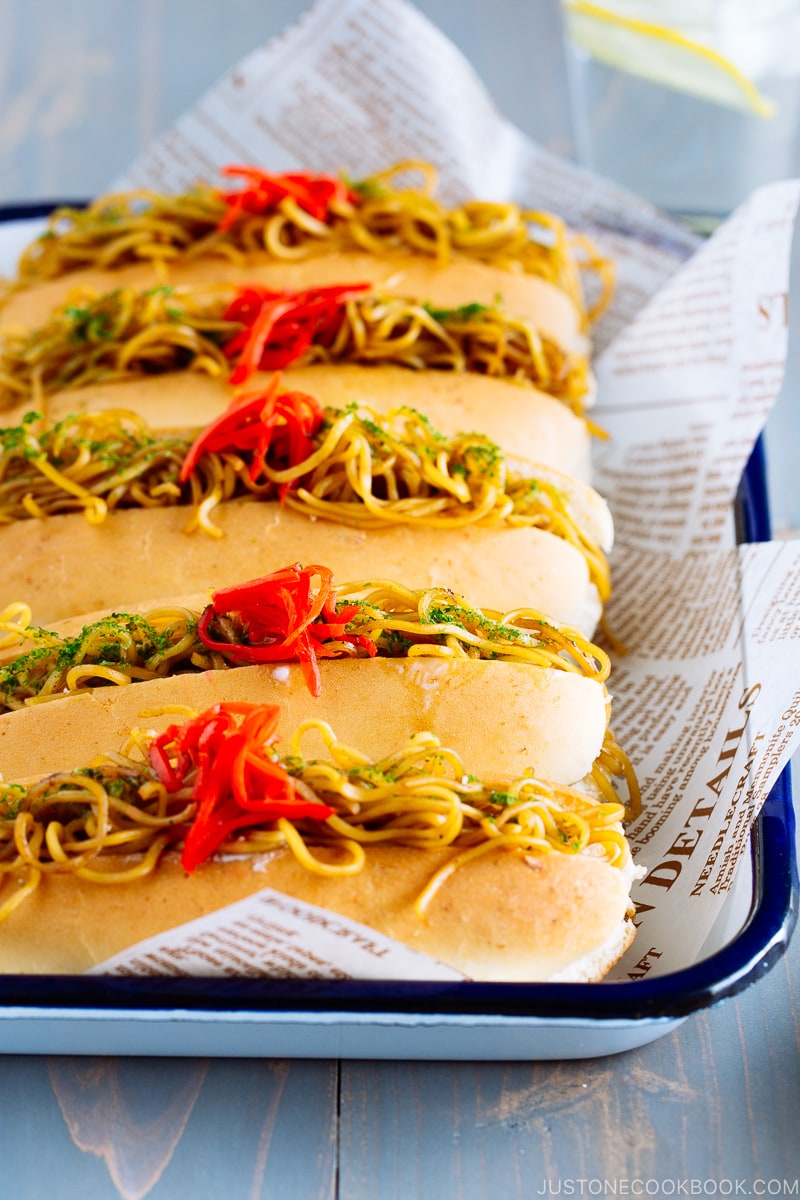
(473, 1021)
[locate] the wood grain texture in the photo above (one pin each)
(100, 1128)
(715, 1100)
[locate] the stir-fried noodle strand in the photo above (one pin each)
(112, 821)
(389, 214)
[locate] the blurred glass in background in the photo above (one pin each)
(693, 104)
(689, 103)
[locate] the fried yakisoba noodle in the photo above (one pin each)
(419, 795)
(357, 469)
(112, 337)
(379, 617)
(411, 828)
(125, 334)
(527, 297)
(388, 216)
(537, 426)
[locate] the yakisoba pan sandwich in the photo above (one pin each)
(446, 773)
(171, 354)
(502, 876)
(335, 468)
(410, 817)
(300, 230)
(515, 687)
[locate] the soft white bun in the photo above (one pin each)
(500, 917)
(450, 285)
(63, 566)
(585, 505)
(505, 716)
(518, 418)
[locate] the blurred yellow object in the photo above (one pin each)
(662, 55)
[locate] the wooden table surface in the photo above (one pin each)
(709, 1109)
(712, 1106)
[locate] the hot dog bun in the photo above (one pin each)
(504, 715)
(500, 917)
(63, 566)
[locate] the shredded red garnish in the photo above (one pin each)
(236, 782)
(257, 423)
(264, 192)
(284, 618)
(279, 327)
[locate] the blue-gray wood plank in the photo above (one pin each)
(717, 1100)
(712, 1106)
(102, 1128)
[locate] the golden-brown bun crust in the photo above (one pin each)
(63, 566)
(501, 917)
(520, 419)
(448, 286)
(500, 717)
